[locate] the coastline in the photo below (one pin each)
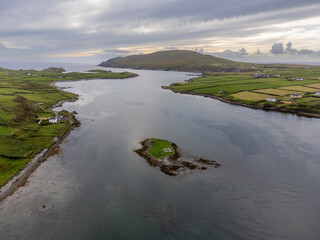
(21, 178)
(298, 113)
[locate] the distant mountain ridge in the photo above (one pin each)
(175, 60)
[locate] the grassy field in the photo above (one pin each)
(25, 96)
(315, 85)
(277, 92)
(158, 148)
(301, 89)
(250, 96)
(252, 87)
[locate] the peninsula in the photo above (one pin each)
(28, 126)
(291, 89)
(166, 156)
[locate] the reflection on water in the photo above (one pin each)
(98, 188)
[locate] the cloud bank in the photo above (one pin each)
(98, 29)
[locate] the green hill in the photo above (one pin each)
(175, 60)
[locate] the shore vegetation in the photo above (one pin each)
(265, 87)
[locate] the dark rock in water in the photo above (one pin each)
(205, 161)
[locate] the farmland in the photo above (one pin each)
(251, 88)
(25, 96)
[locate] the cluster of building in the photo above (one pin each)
(57, 119)
(293, 95)
(260, 75)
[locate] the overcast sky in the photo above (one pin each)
(95, 30)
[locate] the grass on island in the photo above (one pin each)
(25, 96)
(252, 87)
(160, 148)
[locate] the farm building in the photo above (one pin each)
(317, 94)
(293, 95)
(53, 120)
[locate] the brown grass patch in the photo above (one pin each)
(277, 92)
(300, 88)
(314, 85)
(250, 96)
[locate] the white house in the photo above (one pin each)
(271, 99)
(317, 94)
(53, 120)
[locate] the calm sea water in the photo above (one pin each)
(96, 187)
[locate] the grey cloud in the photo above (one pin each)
(3, 46)
(170, 48)
(57, 26)
(306, 51)
(277, 48)
(258, 52)
(289, 48)
(231, 54)
(243, 52)
(117, 51)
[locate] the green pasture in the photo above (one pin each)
(157, 148)
(253, 87)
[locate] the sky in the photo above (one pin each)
(96, 30)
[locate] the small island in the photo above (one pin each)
(166, 156)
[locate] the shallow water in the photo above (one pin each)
(98, 188)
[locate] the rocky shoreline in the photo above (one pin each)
(21, 178)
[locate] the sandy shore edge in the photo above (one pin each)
(21, 178)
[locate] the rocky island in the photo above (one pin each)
(166, 156)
